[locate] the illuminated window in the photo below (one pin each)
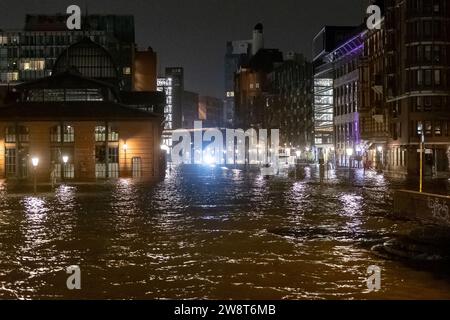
(127, 70)
(100, 133)
(22, 133)
(32, 64)
(113, 134)
(113, 162)
(428, 128)
(10, 161)
(437, 129)
(10, 134)
(69, 134)
(65, 133)
(419, 128)
(100, 162)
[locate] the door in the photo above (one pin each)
(136, 165)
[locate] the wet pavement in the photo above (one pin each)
(212, 233)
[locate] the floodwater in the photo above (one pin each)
(211, 233)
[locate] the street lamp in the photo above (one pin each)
(35, 163)
(65, 159)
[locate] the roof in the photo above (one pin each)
(70, 79)
(76, 55)
(82, 111)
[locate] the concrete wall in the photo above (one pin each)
(424, 207)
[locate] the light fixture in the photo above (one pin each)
(380, 149)
(125, 147)
(65, 159)
(35, 161)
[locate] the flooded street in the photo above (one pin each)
(211, 233)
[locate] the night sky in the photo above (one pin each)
(193, 33)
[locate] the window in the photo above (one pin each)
(101, 159)
(127, 70)
(100, 133)
(437, 53)
(419, 77)
(10, 135)
(428, 128)
(437, 77)
(136, 165)
(113, 134)
(428, 80)
(113, 162)
(65, 133)
(428, 103)
(437, 129)
(100, 162)
(436, 7)
(60, 169)
(10, 161)
(427, 53)
(427, 28)
(419, 128)
(22, 133)
(419, 104)
(69, 134)
(32, 64)
(55, 134)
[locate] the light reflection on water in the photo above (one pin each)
(210, 233)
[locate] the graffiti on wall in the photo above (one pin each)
(439, 209)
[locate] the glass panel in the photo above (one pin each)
(100, 133)
(10, 161)
(69, 134)
(10, 134)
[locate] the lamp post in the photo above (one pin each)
(65, 159)
(349, 154)
(125, 149)
(35, 163)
